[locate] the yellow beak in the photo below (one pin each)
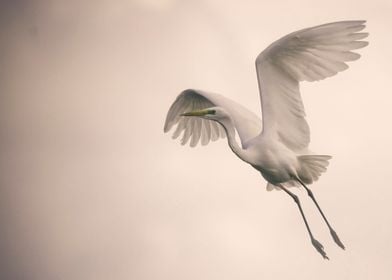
(196, 113)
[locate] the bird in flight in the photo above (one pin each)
(277, 145)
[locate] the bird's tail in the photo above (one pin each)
(311, 167)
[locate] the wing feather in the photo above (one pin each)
(247, 124)
(214, 131)
(310, 54)
(205, 133)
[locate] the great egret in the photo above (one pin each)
(277, 146)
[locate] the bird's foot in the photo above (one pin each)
(320, 248)
(336, 239)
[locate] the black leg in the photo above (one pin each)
(319, 247)
(331, 230)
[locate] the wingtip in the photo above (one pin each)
(364, 34)
(352, 23)
(359, 21)
(166, 128)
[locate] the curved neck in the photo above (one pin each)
(228, 126)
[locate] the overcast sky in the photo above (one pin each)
(92, 189)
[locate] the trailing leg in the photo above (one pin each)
(319, 247)
(331, 230)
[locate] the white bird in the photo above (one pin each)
(277, 146)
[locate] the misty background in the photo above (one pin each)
(91, 187)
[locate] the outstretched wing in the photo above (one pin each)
(307, 55)
(247, 124)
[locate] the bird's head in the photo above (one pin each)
(213, 113)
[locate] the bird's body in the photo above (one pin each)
(276, 163)
(277, 146)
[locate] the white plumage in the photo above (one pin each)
(277, 146)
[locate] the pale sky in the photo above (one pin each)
(92, 189)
